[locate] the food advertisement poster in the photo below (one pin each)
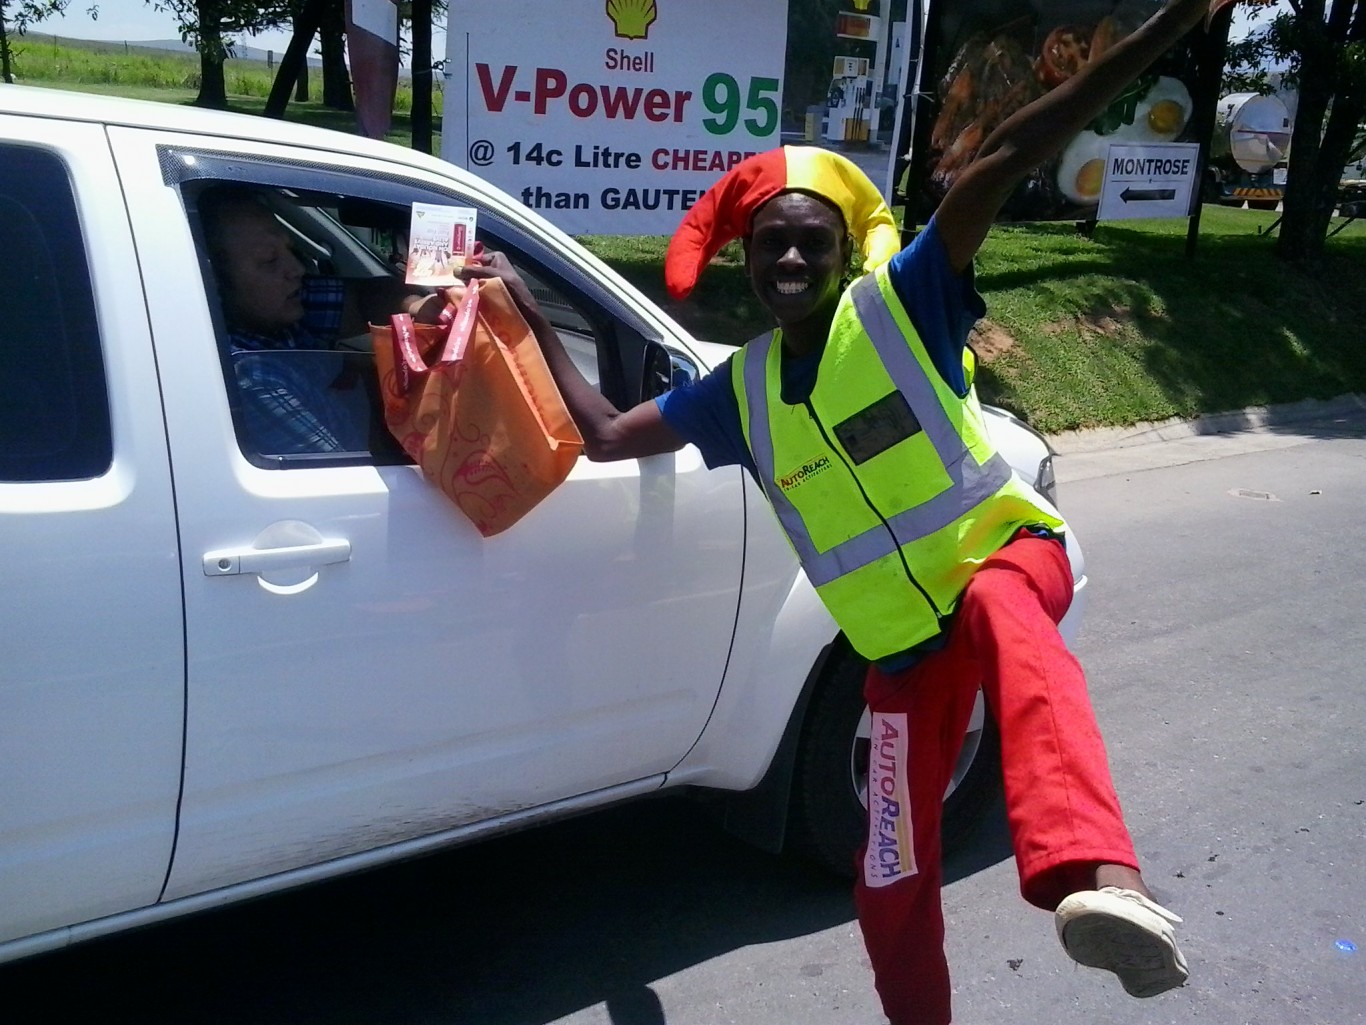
(611, 116)
(985, 59)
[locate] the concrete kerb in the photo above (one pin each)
(1095, 453)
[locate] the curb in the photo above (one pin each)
(1252, 420)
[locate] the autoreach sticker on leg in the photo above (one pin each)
(891, 850)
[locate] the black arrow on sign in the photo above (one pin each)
(1146, 195)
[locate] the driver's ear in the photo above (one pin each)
(744, 244)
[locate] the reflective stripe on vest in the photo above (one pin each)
(974, 483)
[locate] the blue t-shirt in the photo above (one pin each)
(942, 305)
(295, 398)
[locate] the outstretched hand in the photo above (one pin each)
(485, 266)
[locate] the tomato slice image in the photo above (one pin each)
(1064, 53)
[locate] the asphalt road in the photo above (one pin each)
(1224, 641)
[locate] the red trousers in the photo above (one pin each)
(1063, 812)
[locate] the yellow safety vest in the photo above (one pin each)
(886, 482)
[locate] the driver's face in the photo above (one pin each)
(263, 274)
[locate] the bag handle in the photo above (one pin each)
(448, 313)
(408, 361)
(462, 324)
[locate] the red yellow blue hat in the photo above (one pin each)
(725, 210)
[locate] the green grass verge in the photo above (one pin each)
(1106, 331)
(148, 73)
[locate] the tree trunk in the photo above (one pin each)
(1308, 206)
(213, 86)
(294, 64)
(213, 89)
(301, 82)
(4, 51)
(1209, 50)
(422, 75)
(1348, 113)
(336, 77)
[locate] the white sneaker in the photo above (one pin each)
(1123, 932)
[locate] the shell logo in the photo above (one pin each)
(632, 18)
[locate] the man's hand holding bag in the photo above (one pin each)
(476, 408)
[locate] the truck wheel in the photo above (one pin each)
(830, 783)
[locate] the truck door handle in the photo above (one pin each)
(233, 561)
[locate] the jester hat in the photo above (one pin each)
(725, 210)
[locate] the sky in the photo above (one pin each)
(136, 21)
(132, 21)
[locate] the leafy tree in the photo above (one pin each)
(210, 25)
(1322, 46)
(20, 14)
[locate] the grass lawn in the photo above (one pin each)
(1106, 331)
(1118, 328)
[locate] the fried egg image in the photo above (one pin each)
(1081, 169)
(1162, 114)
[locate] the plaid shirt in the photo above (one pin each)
(292, 402)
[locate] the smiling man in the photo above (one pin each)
(857, 418)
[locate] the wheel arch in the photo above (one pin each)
(742, 763)
(761, 816)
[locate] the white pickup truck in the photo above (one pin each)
(225, 671)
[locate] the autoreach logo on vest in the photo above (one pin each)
(797, 477)
(891, 839)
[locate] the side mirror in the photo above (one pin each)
(656, 372)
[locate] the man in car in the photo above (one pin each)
(859, 422)
(283, 324)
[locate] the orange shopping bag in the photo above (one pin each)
(476, 407)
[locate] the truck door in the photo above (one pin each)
(364, 668)
(91, 627)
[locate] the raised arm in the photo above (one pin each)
(1037, 131)
(608, 433)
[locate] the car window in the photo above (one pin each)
(293, 314)
(54, 409)
(389, 245)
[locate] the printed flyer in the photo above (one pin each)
(440, 239)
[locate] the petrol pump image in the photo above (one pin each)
(857, 79)
(849, 101)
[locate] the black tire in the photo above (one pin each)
(1263, 204)
(828, 812)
